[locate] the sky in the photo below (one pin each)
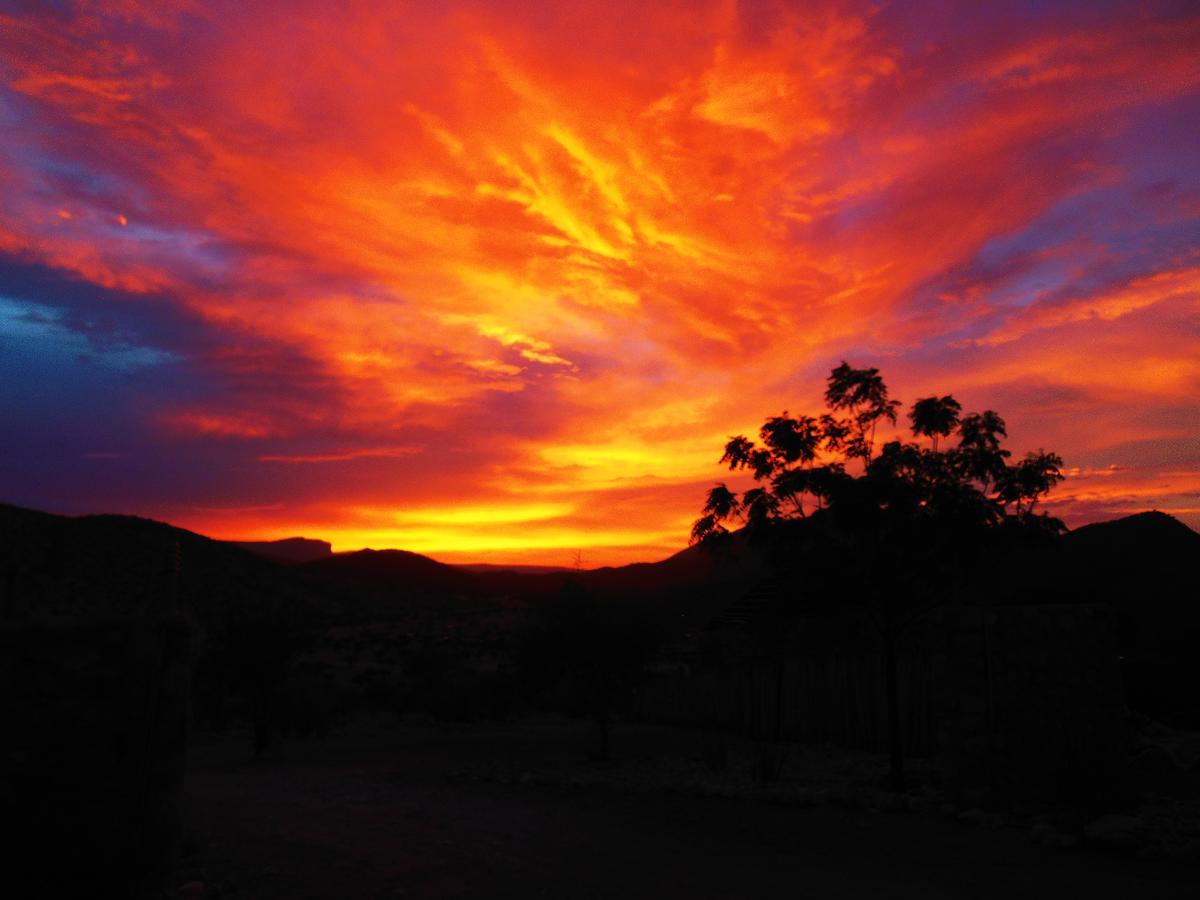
(497, 281)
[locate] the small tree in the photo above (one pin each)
(935, 417)
(1032, 478)
(861, 394)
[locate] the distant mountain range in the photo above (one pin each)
(1146, 565)
(94, 567)
(377, 575)
(298, 550)
(288, 550)
(55, 566)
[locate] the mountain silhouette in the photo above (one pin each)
(288, 550)
(103, 566)
(402, 579)
(1147, 534)
(379, 583)
(1143, 564)
(91, 566)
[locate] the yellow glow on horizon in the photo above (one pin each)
(471, 515)
(550, 545)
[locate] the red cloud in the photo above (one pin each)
(579, 247)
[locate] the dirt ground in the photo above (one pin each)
(417, 811)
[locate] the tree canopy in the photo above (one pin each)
(802, 465)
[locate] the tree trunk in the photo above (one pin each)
(779, 707)
(896, 780)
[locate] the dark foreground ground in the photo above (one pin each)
(424, 811)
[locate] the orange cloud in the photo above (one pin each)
(557, 255)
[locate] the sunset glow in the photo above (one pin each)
(495, 281)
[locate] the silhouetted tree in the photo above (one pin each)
(979, 457)
(935, 417)
(1030, 479)
(861, 394)
(902, 524)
